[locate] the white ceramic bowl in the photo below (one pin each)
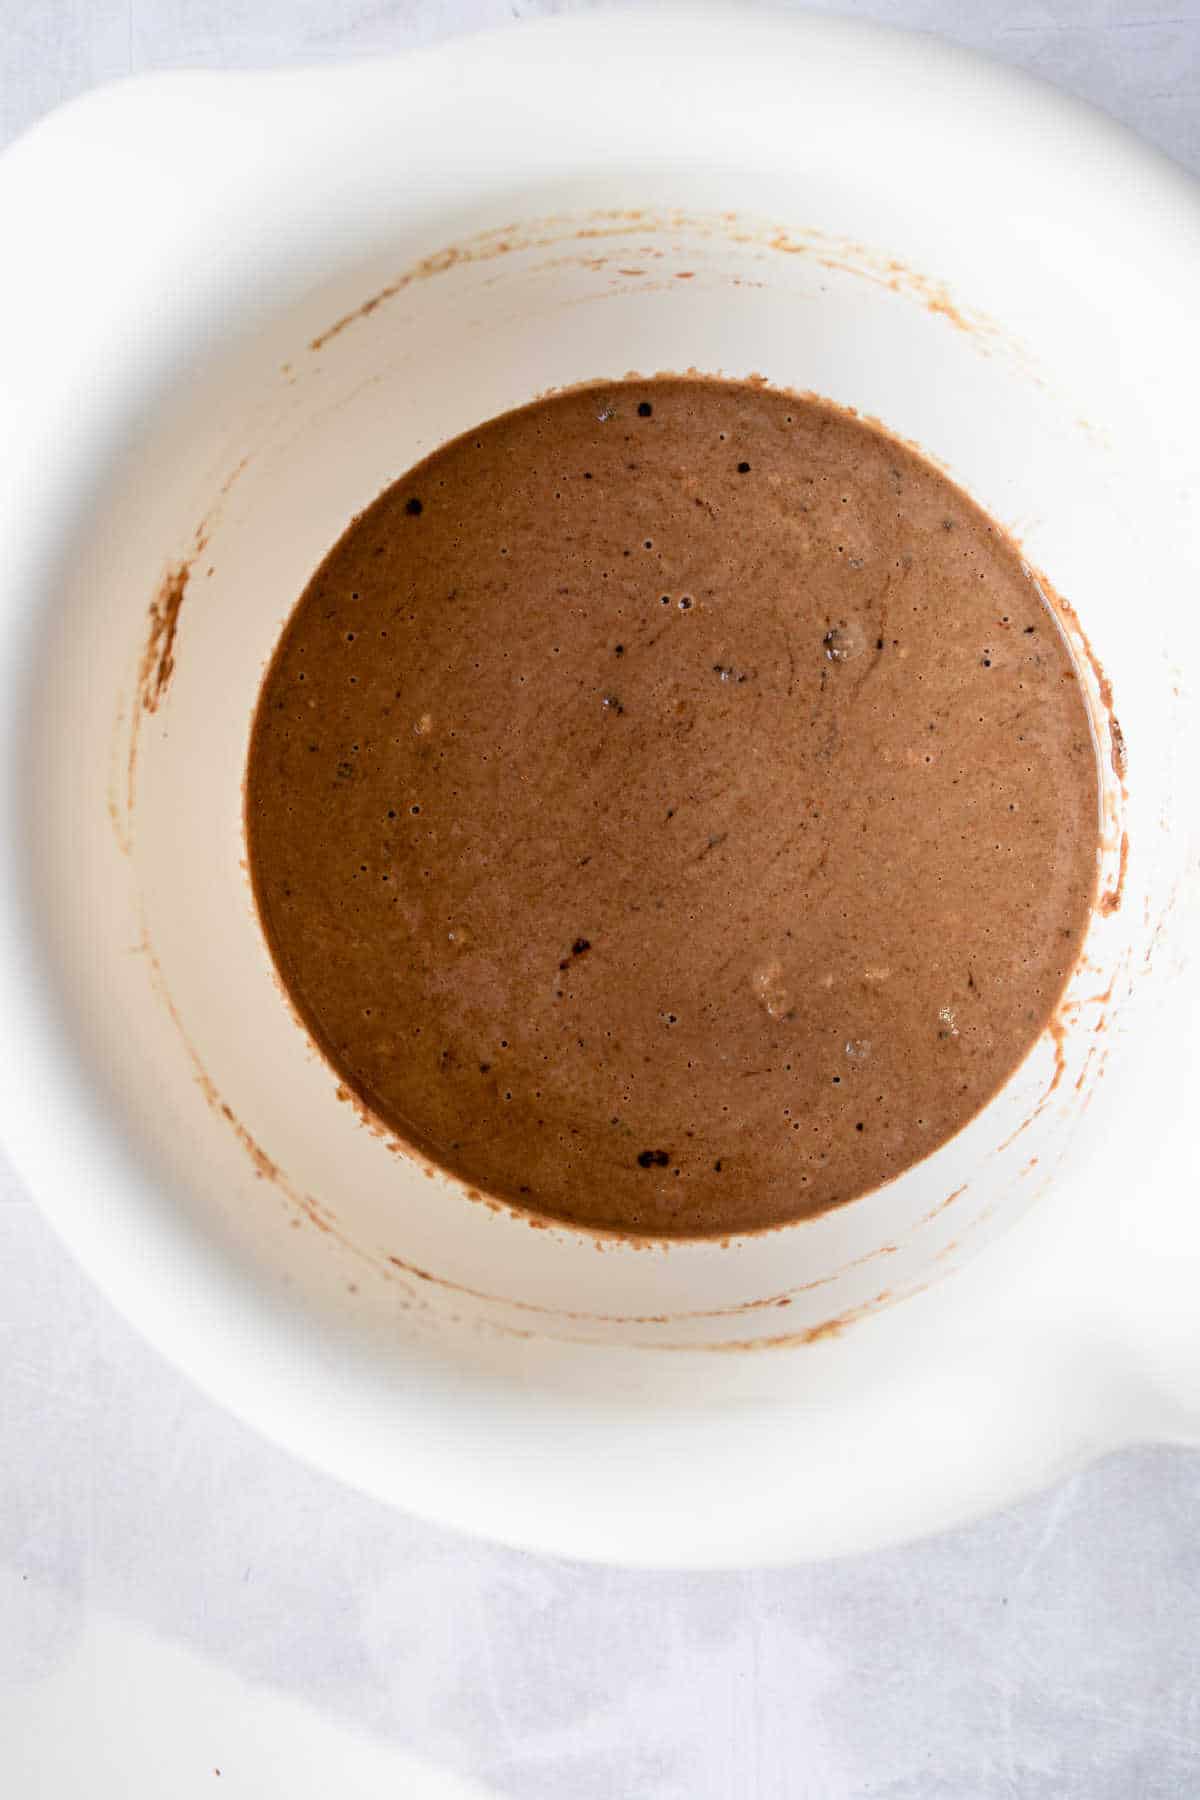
(235, 307)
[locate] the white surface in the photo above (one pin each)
(699, 1677)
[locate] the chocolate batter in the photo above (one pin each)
(672, 808)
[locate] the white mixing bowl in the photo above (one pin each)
(235, 307)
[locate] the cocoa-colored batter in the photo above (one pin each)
(672, 807)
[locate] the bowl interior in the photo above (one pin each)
(244, 474)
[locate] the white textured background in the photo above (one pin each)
(178, 1598)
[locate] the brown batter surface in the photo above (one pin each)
(672, 807)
